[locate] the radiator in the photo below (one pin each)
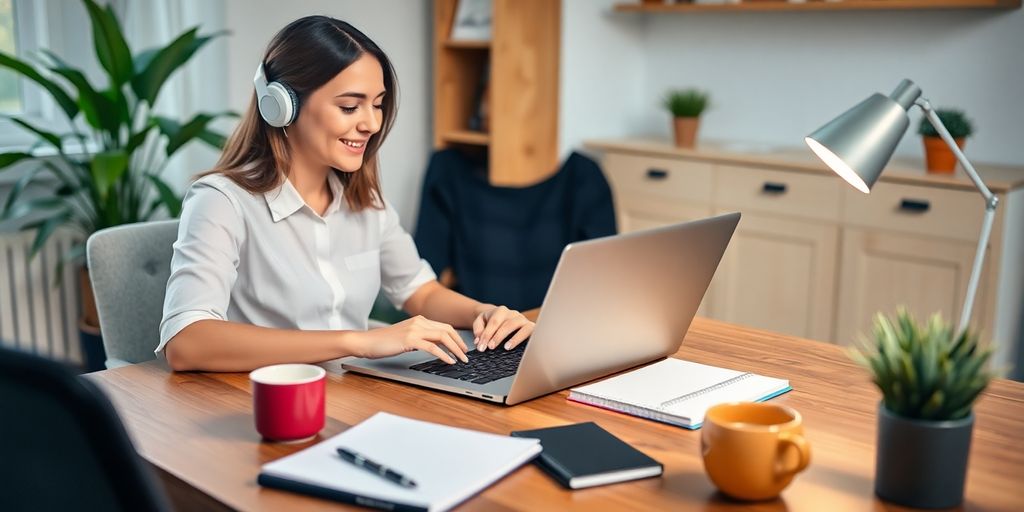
(39, 310)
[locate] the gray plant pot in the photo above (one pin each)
(921, 463)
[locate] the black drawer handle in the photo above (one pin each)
(657, 174)
(914, 205)
(773, 188)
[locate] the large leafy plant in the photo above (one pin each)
(113, 175)
(926, 372)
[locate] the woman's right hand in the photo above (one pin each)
(416, 333)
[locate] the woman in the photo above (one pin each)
(284, 245)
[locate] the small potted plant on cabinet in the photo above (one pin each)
(938, 157)
(929, 377)
(686, 106)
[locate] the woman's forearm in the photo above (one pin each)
(221, 346)
(443, 305)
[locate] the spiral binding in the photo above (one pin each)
(709, 389)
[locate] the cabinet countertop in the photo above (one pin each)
(999, 178)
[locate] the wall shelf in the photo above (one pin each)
(469, 45)
(819, 5)
(466, 137)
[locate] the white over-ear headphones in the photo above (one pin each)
(277, 102)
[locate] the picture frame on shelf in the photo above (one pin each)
(473, 21)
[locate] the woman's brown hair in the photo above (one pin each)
(305, 55)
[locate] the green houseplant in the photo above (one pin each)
(929, 376)
(938, 157)
(108, 166)
(686, 106)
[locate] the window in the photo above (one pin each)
(10, 93)
(26, 26)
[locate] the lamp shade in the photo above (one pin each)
(858, 143)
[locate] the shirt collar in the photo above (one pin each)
(284, 200)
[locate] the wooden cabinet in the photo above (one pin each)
(883, 270)
(515, 75)
(778, 274)
(813, 257)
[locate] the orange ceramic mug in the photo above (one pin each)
(752, 451)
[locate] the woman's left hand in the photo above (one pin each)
(495, 323)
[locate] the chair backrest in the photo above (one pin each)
(65, 447)
(503, 243)
(129, 266)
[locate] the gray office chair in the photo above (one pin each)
(129, 266)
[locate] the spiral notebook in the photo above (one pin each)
(677, 392)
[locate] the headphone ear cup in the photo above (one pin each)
(279, 106)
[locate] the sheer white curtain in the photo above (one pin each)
(199, 86)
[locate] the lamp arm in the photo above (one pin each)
(991, 201)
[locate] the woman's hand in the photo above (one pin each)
(495, 323)
(416, 333)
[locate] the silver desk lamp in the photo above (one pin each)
(858, 144)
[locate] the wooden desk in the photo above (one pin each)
(197, 430)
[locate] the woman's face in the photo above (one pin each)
(336, 121)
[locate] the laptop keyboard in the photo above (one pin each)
(483, 367)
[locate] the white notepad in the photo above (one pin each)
(677, 392)
(448, 464)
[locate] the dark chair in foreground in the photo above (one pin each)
(503, 243)
(64, 446)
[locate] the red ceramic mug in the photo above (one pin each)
(288, 401)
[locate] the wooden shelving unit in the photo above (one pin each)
(521, 62)
(820, 5)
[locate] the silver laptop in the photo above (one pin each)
(614, 303)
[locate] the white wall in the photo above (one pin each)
(774, 77)
(603, 73)
(400, 27)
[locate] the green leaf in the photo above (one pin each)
(111, 48)
(139, 138)
(159, 66)
(9, 159)
(52, 138)
(99, 111)
(167, 197)
(46, 229)
(106, 169)
(36, 204)
(16, 190)
(214, 139)
(179, 135)
(59, 95)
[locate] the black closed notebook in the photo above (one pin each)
(584, 455)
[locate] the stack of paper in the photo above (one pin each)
(448, 464)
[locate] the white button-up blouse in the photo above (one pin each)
(270, 260)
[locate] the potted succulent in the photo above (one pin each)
(929, 377)
(686, 106)
(938, 157)
(107, 168)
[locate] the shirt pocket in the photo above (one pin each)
(363, 260)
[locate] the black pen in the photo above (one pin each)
(375, 468)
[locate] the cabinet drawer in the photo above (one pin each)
(660, 177)
(916, 209)
(782, 192)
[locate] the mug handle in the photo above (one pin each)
(802, 447)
